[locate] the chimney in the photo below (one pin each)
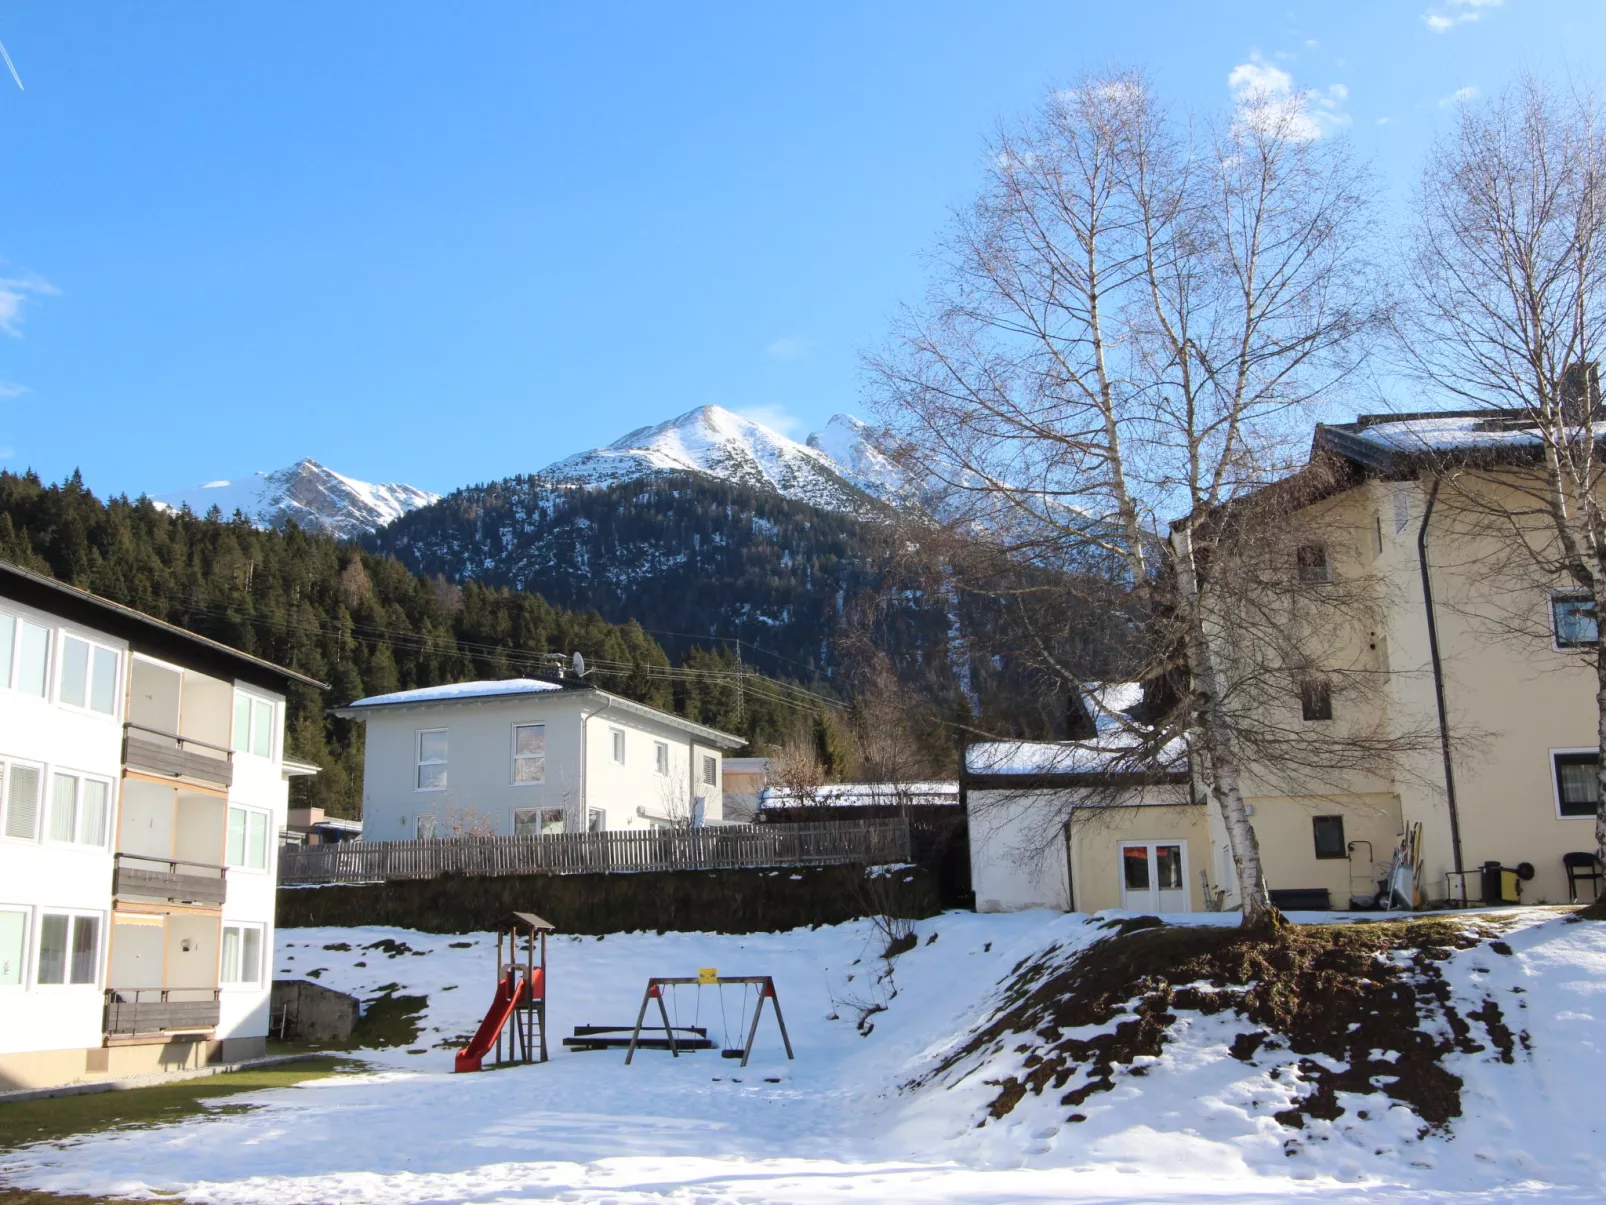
(1580, 392)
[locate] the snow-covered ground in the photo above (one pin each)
(1194, 1125)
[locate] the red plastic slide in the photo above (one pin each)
(512, 991)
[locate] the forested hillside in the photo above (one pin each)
(359, 621)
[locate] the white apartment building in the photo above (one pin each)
(531, 756)
(143, 785)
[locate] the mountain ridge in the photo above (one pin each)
(314, 496)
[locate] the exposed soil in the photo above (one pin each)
(1364, 1007)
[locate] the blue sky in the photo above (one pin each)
(446, 243)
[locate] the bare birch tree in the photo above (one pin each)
(1126, 334)
(1508, 314)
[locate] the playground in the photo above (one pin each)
(845, 1120)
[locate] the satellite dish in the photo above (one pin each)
(579, 664)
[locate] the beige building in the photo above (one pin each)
(1480, 671)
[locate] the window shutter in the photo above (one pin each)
(22, 803)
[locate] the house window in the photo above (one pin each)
(618, 745)
(88, 675)
(710, 771)
(660, 752)
(13, 945)
(1329, 833)
(1316, 699)
(596, 820)
(432, 760)
(1313, 565)
(1572, 619)
(1577, 783)
(69, 948)
(21, 800)
(529, 753)
(241, 963)
(424, 827)
(32, 658)
(248, 839)
(78, 809)
(538, 822)
(253, 724)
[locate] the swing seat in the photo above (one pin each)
(735, 1053)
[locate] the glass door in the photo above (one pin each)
(1153, 877)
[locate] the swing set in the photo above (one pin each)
(758, 987)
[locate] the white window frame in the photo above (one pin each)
(660, 754)
(51, 642)
(73, 915)
(596, 820)
(256, 703)
(542, 817)
(48, 809)
(250, 813)
(419, 763)
(710, 762)
(41, 808)
(62, 636)
(518, 757)
(241, 928)
(618, 751)
(421, 822)
(1555, 780)
(26, 913)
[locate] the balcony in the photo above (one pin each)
(168, 879)
(161, 1010)
(153, 751)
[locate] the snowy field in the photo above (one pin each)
(834, 1126)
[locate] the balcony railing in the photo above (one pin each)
(156, 752)
(161, 1010)
(169, 879)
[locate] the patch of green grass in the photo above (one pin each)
(58, 1117)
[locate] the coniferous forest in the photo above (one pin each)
(357, 620)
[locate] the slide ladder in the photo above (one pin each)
(512, 992)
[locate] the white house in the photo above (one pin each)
(142, 787)
(529, 756)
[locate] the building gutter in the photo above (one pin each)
(1438, 675)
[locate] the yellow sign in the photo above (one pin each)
(707, 974)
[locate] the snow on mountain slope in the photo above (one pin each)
(714, 442)
(849, 444)
(317, 498)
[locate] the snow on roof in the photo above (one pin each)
(860, 794)
(1447, 433)
(1118, 745)
(460, 690)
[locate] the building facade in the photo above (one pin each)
(532, 756)
(142, 790)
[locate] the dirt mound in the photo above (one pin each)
(1365, 1007)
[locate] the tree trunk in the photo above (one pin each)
(1219, 749)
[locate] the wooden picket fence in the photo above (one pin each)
(726, 847)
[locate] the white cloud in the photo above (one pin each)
(7, 452)
(10, 389)
(774, 417)
(1459, 97)
(1265, 93)
(14, 290)
(788, 347)
(1457, 12)
(1385, 121)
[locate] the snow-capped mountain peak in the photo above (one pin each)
(715, 442)
(317, 498)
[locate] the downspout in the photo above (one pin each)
(1438, 676)
(585, 734)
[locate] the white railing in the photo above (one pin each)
(727, 847)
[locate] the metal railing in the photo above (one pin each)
(727, 847)
(162, 878)
(161, 1010)
(156, 751)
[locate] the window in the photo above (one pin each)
(22, 784)
(248, 839)
(660, 753)
(596, 820)
(1572, 618)
(33, 658)
(710, 771)
(1329, 833)
(8, 640)
(88, 675)
(241, 963)
(432, 760)
(78, 809)
(69, 948)
(424, 827)
(1313, 563)
(1316, 699)
(537, 822)
(1577, 783)
(13, 945)
(529, 753)
(253, 724)
(618, 745)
